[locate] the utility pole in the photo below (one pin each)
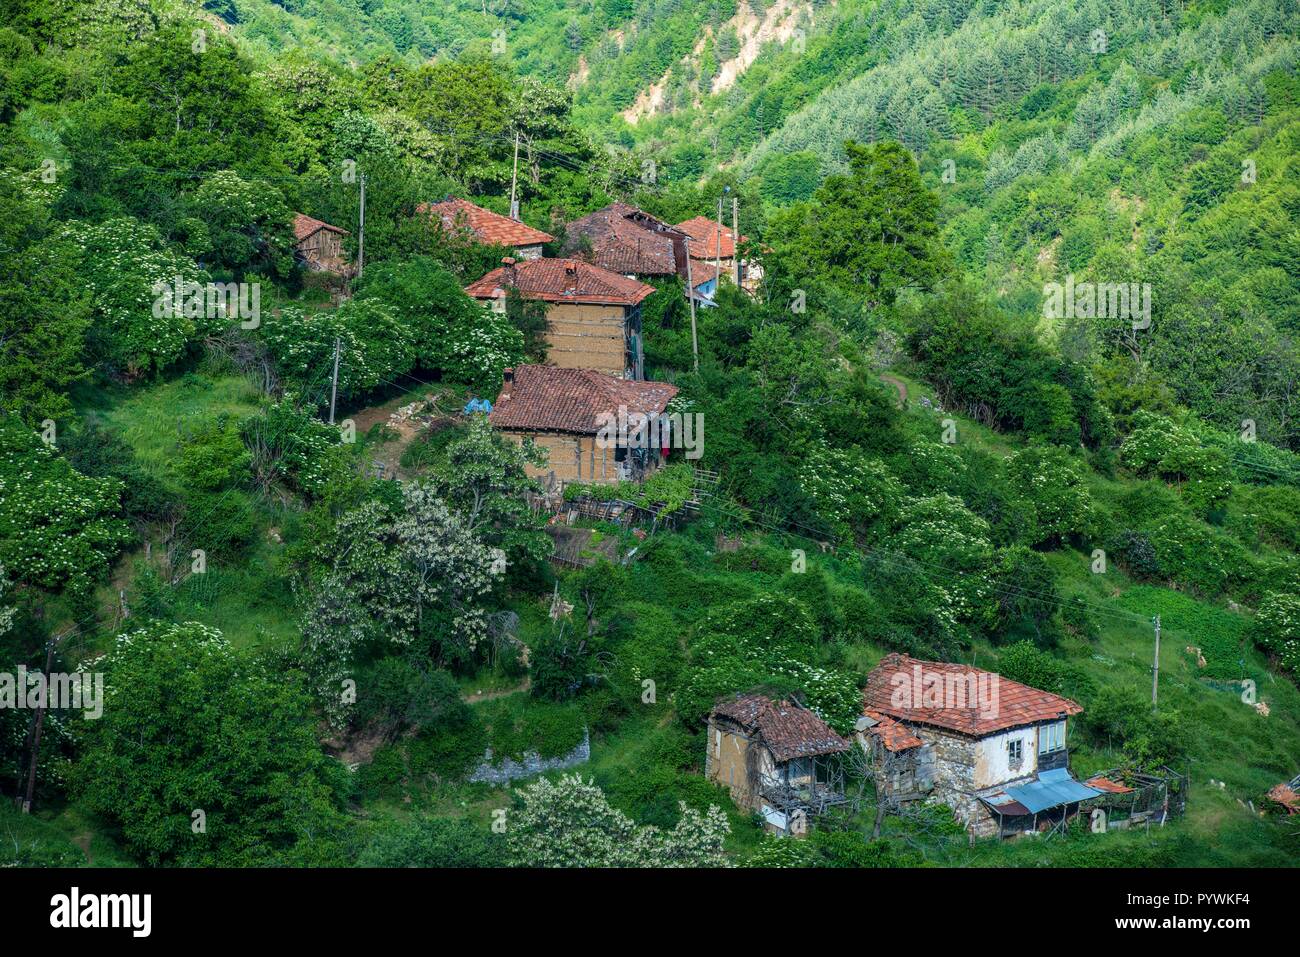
(26, 805)
(514, 179)
(1155, 668)
(334, 380)
(690, 298)
(361, 238)
(735, 234)
(717, 247)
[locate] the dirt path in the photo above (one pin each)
(480, 696)
(898, 384)
(389, 453)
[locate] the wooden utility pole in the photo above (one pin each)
(690, 298)
(1155, 668)
(735, 235)
(717, 247)
(334, 380)
(361, 237)
(514, 179)
(26, 805)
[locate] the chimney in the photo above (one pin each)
(508, 264)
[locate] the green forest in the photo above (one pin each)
(1018, 390)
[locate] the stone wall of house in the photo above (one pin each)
(954, 777)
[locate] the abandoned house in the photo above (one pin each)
(562, 411)
(631, 242)
(992, 749)
(593, 316)
(318, 246)
(461, 217)
(713, 246)
(776, 758)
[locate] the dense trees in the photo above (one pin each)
(205, 757)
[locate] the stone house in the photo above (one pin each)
(593, 315)
(773, 756)
(461, 217)
(318, 246)
(562, 411)
(992, 749)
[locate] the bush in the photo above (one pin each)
(213, 456)
(397, 695)
(1276, 629)
(434, 842)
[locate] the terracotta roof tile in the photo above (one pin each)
(1015, 704)
(304, 226)
(625, 239)
(704, 238)
(486, 226)
(546, 399)
(893, 735)
(789, 730)
(561, 280)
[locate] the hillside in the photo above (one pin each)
(331, 605)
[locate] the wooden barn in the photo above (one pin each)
(318, 246)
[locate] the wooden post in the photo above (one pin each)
(735, 236)
(514, 178)
(717, 246)
(36, 734)
(690, 298)
(334, 380)
(361, 231)
(1155, 668)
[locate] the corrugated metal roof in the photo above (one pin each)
(1052, 789)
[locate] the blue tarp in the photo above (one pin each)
(476, 405)
(1052, 789)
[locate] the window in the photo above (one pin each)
(1015, 751)
(1051, 737)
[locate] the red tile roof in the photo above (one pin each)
(486, 226)
(789, 730)
(894, 736)
(704, 238)
(702, 272)
(561, 280)
(625, 239)
(892, 689)
(304, 226)
(540, 398)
